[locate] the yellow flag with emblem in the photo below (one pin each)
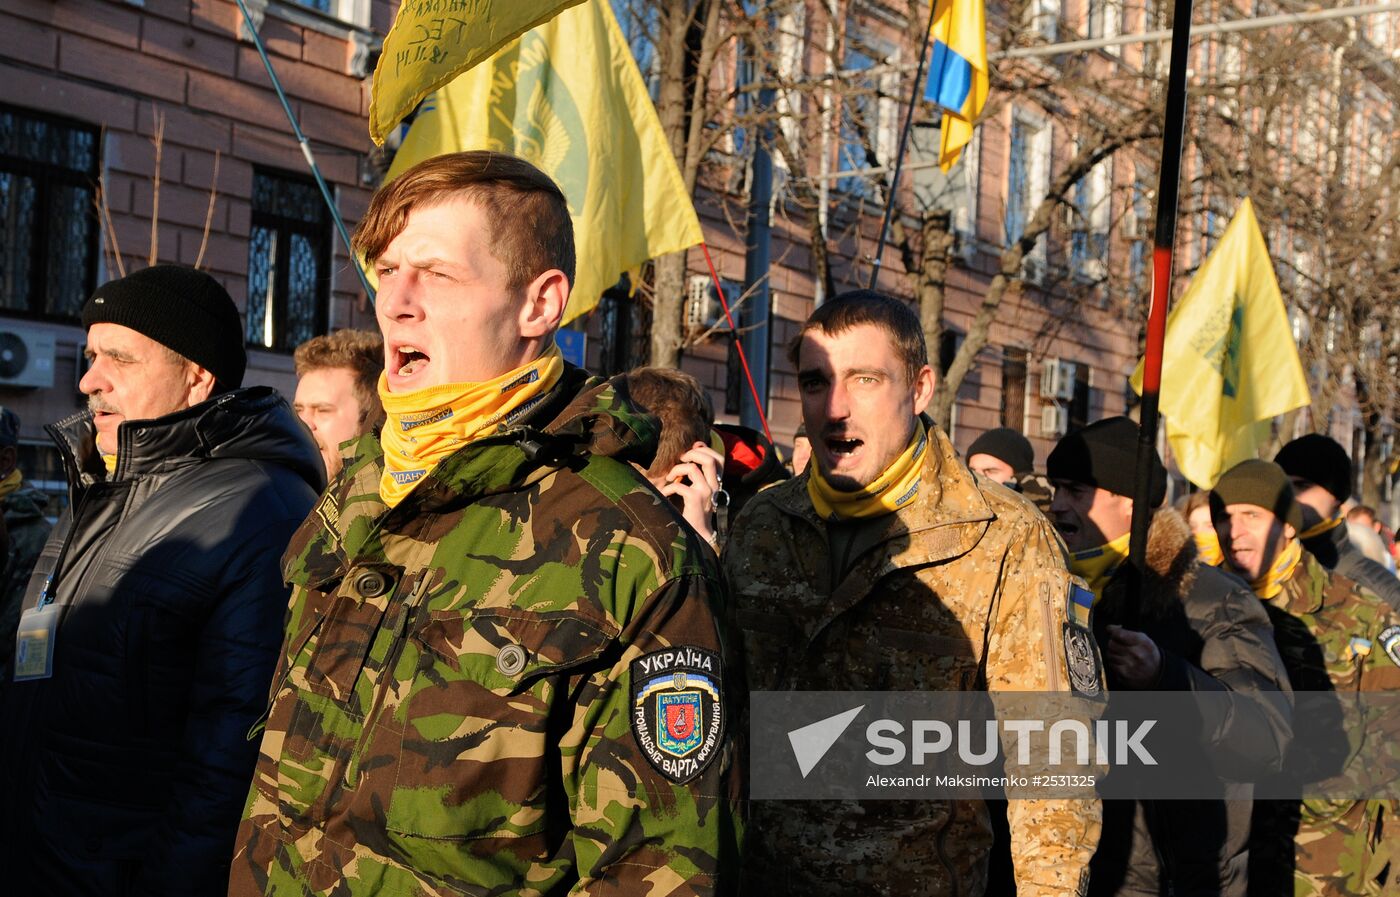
(568, 97)
(1229, 364)
(433, 41)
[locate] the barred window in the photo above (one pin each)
(288, 261)
(48, 217)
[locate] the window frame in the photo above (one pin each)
(44, 176)
(284, 228)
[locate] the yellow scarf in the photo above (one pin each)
(426, 425)
(1096, 566)
(109, 462)
(1208, 547)
(1270, 583)
(1323, 527)
(892, 490)
(11, 482)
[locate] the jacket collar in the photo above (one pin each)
(947, 518)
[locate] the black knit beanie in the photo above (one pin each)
(1259, 483)
(184, 310)
(1005, 444)
(1104, 454)
(1318, 459)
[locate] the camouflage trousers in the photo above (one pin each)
(1348, 848)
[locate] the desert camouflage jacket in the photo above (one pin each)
(965, 589)
(1333, 635)
(512, 683)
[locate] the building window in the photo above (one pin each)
(48, 219)
(625, 331)
(288, 261)
(1089, 237)
(868, 119)
(1043, 18)
(1106, 20)
(1027, 179)
(1013, 388)
(1080, 407)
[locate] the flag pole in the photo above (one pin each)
(903, 145)
(1164, 240)
(306, 150)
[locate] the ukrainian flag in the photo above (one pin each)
(957, 79)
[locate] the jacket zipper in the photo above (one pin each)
(1047, 619)
(405, 618)
(942, 844)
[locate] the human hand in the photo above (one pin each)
(1133, 657)
(695, 479)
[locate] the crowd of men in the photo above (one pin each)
(480, 623)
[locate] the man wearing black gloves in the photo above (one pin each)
(1201, 631)
(154, 617)
(1320, 471)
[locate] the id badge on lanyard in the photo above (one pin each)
(34, 642)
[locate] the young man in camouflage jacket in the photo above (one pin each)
(503, 670)
(888, 566)
(1333, 635)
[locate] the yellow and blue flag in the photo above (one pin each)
(432, 42)
(957, 78)
(1229, 363)
(568, 98)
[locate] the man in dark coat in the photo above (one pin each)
(26, 530)
(1320, 471)
(1198, 630)
(154, 615)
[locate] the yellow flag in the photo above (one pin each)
(567, 97)
(433, 41)
(958, 75)
(1229, 365)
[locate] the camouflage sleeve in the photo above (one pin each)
(1035, 646)
(652, 762)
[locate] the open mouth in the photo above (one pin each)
(843, 448)
(411, 360)
(1066, 528)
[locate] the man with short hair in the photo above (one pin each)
(26, 530)
(1005, 456)
(1197, 629)
(1320, 471)
(153, 618)
(503, 669)
(338, 389)
(889, 566)
(1333, 635)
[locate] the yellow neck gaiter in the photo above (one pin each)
(892, 490)
(1323, 527)
(1096, 566)
(11, 483)
(109, 462)
(1270, 583)
(424, 426)
(1208, 547)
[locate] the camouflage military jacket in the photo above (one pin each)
(512, 683)
(964, 589)
(1332, 635)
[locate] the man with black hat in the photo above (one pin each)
(1320, 472)
(1005, 456)
(25, 529)
(1332, 635)
(1201, 631)
(153, 619)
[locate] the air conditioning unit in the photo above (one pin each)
(1057, 380)
(1094, 269)
(1054, 421)
(26, 356)
(702, 306)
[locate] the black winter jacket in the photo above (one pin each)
(125, 772)
(1214, 636)
(1337, 553)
